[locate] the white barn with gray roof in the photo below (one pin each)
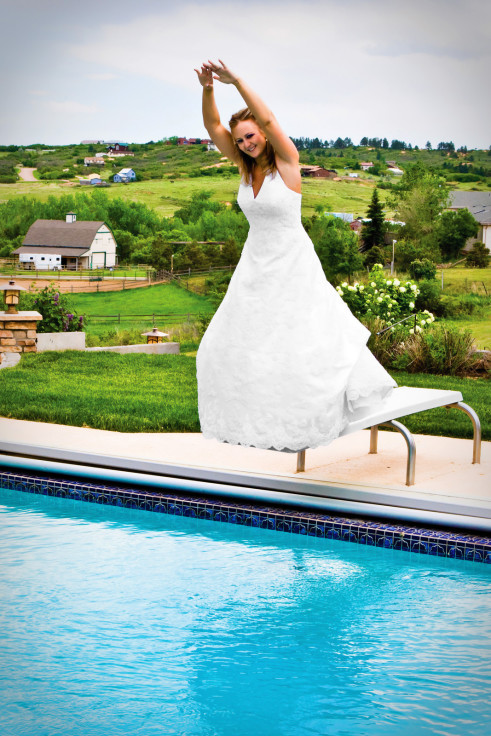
(58, 244)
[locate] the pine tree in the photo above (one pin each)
(373, 231)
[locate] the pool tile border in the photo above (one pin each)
(433, 542)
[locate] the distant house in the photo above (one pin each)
(193, 141)
(393, 169)
(124, 176)
(92, 179)
(366, 165)
(356, 225)
(346, 216)
(55, 244)
(479, 205)
(94, 161)
(116, 146)
(317, 172)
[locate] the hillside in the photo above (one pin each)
(168, 175)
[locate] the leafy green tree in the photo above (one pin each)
(199, 203)
(194, 253)
(230, 253)
(373, 256)
(419, 200)
(407, 251)
(454, 229)
(373, 231)
(479, 256)
(424, 269)
(336, 246)
(160, 254)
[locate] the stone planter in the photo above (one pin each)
(60, 341)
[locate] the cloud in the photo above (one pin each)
(71, 107)
(38, 92)
(102, 77)
(326, 67)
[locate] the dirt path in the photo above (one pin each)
(27, 174)
(85, 286)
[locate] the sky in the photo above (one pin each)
(99, 69)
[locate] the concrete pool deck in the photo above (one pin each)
(340, 474)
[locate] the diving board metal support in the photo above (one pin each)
(476, 424)
(411, 445)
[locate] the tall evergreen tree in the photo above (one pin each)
(373, 231)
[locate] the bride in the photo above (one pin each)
(283, 364)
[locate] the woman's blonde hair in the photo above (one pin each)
(245, 162)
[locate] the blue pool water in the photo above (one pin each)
(118, 622)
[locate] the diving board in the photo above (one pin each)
(403, 401)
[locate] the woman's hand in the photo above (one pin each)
(205, 76)
(222, 73)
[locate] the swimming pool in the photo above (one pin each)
(120, 621)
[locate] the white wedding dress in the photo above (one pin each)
(283, 364)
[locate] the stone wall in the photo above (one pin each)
(18, 332)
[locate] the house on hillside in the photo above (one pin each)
(94, 161)
(356, 225)
(366, 165)
(194, 142)
(479, 205)
(55, 244)
(317, 172)
(124, 176)
(117, 146)
(91, 179)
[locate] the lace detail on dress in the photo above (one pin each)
(283, 363)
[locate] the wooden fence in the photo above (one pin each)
(167, 318)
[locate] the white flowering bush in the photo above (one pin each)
(386, 299)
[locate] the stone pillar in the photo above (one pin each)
(18, 332)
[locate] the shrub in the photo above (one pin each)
(442, 350)
(55, 309)
(464, 305)
(407, 251)
(374, 255)
(422, 269)
(430, 297)
(388, 299)
(478, 257)
(387, 347)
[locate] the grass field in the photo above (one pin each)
(165, 196)
(161, 299)
(461, 280)
(150, 393)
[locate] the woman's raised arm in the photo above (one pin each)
(220, 136)
(283, 145)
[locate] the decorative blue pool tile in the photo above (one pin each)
(370, 532)
(283, 526)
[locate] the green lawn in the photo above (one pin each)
(150, 393)
(123, 308)
(461, 280)
(164, 298)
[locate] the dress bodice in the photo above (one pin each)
(276, 207)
